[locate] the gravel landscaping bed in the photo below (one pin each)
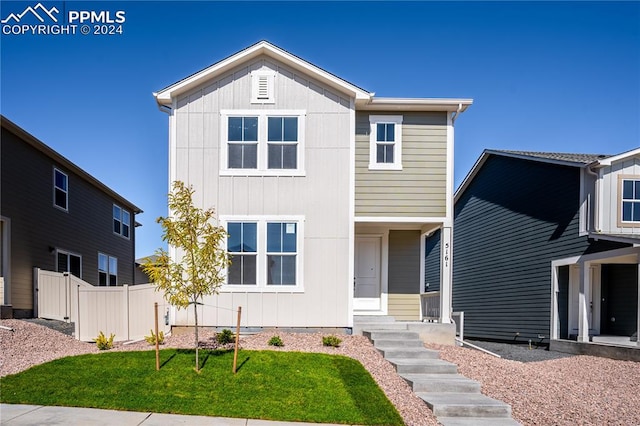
(543, 387)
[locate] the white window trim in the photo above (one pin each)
(256, 76)
(122, 211)
(108, 271)
(69, 254)
(621, 222)
(397, 150)
(261, 259)
(66, 192)
(262, 166)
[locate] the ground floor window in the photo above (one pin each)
(69, 262)
(107, 270)
(265, 251)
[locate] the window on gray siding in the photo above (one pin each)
(243, 142)
(282, 139)
(69, 262)
(60, 189)
(107, 270)
(243, 248)
(281, 253)
(385, 142)
(121, 221)
(631, 200)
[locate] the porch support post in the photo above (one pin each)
(584, 298)
(446, 275)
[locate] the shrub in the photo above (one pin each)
(152, 339)
(275, 341)
(225, 336)
(331, 341)
(103, 343)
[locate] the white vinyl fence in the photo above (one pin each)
(126, 311)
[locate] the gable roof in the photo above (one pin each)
(614, 158)
(364, 99)
(164, 96)
(559, 158)
(36, 143)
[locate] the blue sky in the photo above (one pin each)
(544, 76)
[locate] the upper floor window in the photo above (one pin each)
(631, 200)
(262, 143)
(385, 142)
(60, 189)
(265, 252)
(243, 142)
(107, 270)
(121, 221)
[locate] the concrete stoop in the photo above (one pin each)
(454, 399)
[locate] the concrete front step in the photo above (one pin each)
(422, 366)
(415, 353)
(375, 335)
(441, 383)
(477, 421)
(397, 344)
(465, 405)
(367, 319)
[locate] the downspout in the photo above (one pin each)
(596, 212)
(455, 115)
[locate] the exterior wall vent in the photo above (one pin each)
(263, 87)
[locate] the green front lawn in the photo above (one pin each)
(288, 386)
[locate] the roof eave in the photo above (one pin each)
(610, 160)
(63, 161)
(166, 95)
(415, 104)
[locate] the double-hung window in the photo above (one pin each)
(262, 143)
(265, 253)
(385, 142)
(243, 142)
(121, 221)
(60, 189)
(630, 200)
(243, 248)
(282, 142)
(107, 270)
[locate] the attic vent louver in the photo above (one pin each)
(262, 87)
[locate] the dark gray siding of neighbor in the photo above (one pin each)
(38, 227)
(432, 262)
(514, 218)
(404, 262)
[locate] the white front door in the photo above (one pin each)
(367, 271)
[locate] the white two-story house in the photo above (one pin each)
(327, 192)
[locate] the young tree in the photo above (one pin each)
(200, 250)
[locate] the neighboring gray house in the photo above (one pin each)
(55, 216)
(546, 246)
(327, 191)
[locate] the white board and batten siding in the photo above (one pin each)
(610, 203)
(319, 195)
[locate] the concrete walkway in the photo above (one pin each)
(14, 414)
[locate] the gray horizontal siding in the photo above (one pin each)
(419, 188)
(511, 222)
(36, 225)
(432, 261)
(404, 262)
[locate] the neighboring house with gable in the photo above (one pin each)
(57, 217)
(546, 246)
(327, 192)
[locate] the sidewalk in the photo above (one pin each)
(13, 414)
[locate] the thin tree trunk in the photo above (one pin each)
(195, 310)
